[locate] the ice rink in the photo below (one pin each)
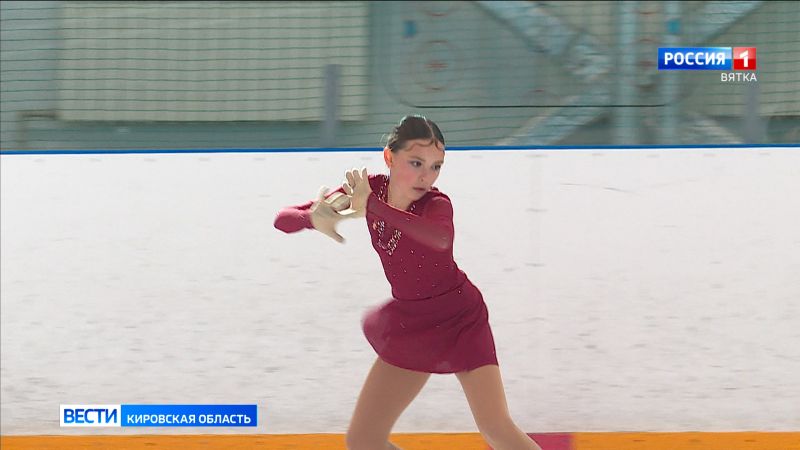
(636, 290)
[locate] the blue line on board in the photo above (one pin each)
(377, 149)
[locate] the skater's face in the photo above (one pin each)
(415, 167)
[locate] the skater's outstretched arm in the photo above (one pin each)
(319, 214)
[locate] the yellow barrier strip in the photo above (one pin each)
(410, 441)
(407, 441)
(686, 441)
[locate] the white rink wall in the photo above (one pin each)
(636, 290)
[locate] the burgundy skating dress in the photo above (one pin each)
(436, 320)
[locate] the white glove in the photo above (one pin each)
(324, 215)
(338, 201)
(358, 188)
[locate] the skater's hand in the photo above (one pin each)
(324, 217)
(358, 188)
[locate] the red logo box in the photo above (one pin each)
(744, 58)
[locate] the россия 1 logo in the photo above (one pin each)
(739, 62)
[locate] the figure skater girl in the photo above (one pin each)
(436, 320)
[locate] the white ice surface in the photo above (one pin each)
(653, 290)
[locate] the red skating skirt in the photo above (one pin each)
(445, 334)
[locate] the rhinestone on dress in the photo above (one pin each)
(380, 226)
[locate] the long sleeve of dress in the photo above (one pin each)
(294, 218)
(434, 228)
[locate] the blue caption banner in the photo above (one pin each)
(189, 415)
